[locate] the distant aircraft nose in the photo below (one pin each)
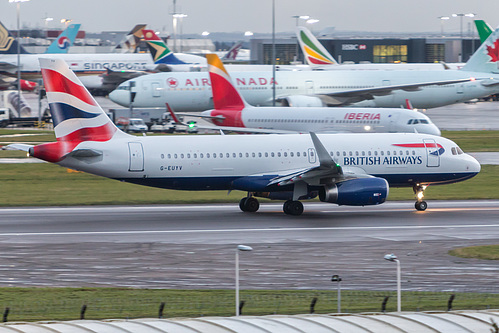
(121, 97)
(435, 130)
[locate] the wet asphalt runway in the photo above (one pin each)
(193, 246)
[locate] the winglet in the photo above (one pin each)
(225, 95)
(326, 161)
(174, 116)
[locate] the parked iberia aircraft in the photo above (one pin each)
(376, 88)
(346, 169)
(231, 110)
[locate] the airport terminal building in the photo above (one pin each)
(373, 50)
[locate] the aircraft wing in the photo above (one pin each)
(346, 97)
(115, 78)
(7, 66)
(326, 173)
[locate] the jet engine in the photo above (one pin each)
(356, 192)
(302, 101)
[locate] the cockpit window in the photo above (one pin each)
(454, 151)
(423, 121)
(459, 151)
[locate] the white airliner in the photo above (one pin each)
(232, 111)
(346, 169)
(377, 88)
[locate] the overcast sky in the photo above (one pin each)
(252, 15)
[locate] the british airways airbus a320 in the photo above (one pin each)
(346, 169)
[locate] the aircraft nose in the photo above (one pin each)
(120, 97)
(435, 130)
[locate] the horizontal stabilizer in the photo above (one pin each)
(17, 146)
(82, 153)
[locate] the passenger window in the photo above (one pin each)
(388, 153)
(188, 155)
(195, 155)
(298, 154)
(266, 154)
(259, 154)
(234, 155)
(279, 154)
(162, 156)
(240, 155)
(285, 154)
(227, 155)
(382, 153)
(272, 154)
(247, 154)
(169, 156)
(201, 155)
(291, 154)
(214, 155)
(181, 155)
(175, 156)
(253, 155)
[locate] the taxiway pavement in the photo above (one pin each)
(193, 246)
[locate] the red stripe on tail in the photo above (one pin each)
(56, 82)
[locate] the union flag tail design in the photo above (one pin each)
(225, 95)
(76, 115)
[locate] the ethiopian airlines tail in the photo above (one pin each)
(486, 58)
(8, 44)
(64, 41)
(76, 115)
(225, 95)
(313, 51)
(161, 54)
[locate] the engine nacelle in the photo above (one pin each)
(356, 192)
(302, 101)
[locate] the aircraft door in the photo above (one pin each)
(136, 156)
(155, 89)
(393, 123)
(309, 86)
(312, 158)
(432, 153)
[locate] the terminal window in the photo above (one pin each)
(389, 53)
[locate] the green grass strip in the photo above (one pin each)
(50, 185)
(36, 304)
(485, 252)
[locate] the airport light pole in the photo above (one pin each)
(177, 17)
(442, 19)
(297, 17)
(239, 248)
(18, 7)
(461, 15)
(337, 278)
(393, 257)
(312, 21)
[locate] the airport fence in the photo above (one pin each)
(126, 303)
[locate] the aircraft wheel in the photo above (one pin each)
(421, 205)
(241, 204)
(249, 204)
(285, 207)
(293, 208)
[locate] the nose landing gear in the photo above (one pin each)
(420, 204)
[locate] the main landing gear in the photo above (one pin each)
(250, 204)
(291, 207)
(420, 204)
